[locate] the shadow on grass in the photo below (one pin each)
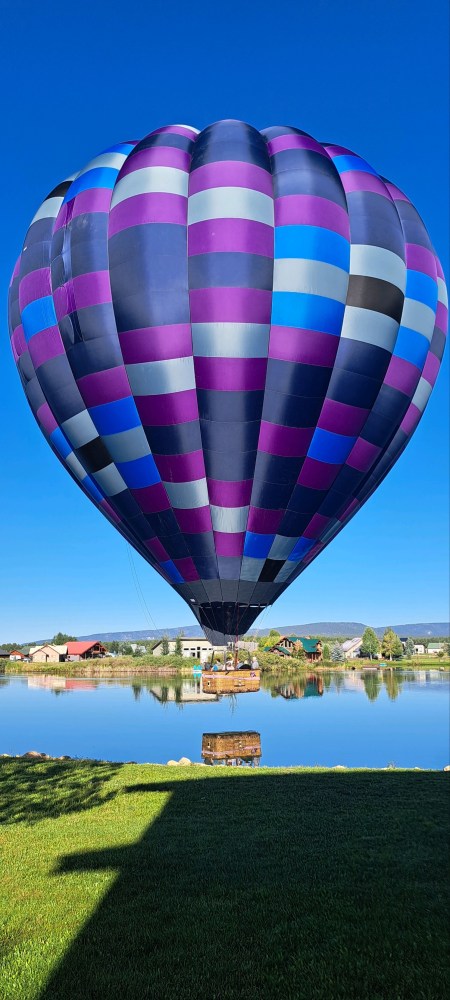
(44, 789)
(258, 886)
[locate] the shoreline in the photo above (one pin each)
(96, 669)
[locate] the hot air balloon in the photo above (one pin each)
(227, 337)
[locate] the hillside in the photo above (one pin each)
(347, 629)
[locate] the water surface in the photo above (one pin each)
(358, 719)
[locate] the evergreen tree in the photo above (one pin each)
(372, 684)
(409, 648)
(165, 645)
(326, 652)
(337, 653)
(391, 645)
(61, 638)
(178, 646)
(370, 644)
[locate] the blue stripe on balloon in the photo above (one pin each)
(309, 312)
(92, 489)
(345, 162)
(301, 548)
(326, 446)
(411, 346)
(60, 442)
(312, 243)
(257, 546)
(38, 315)
(172, 572)
(111, 418)
(421, 287)
(140, 472)
(98, 177)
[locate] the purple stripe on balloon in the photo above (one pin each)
(395, 192)
(18, 341)
(230, 173)
(341, 418)
(35, 285)
(105, 386)
(359, 180)
(317, 475)
(156, 156)
(230, 374)
(230, 305)
(310, 210)
(46, 418)
(187, 568)
(362, 455)
(168, 409)
(91, 289)
(229, 543)
(339, 151)
(431, 368)
(312, 554)
(402, 375)
(45, 345)
(317, 524)
(290, 442)
(142, 209)
(152, 499)
(230, 235)
(92, 200)
(411, 419)
(106, 507)
(181, 468)
(157, 549)
(223, 493)
(439, 270)
(442, 316)
(156, 343)
(293, 141)
(308, 347)
(194, 520)
(420, 259)
(266, 522)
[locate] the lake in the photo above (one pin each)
(357, 719)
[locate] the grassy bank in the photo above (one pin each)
(178, 665)
(138, 881)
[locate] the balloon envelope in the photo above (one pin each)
(227, 337)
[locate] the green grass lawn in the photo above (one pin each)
(142, 881)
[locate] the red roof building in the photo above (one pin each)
(85, 650)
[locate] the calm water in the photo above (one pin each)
(357, 719)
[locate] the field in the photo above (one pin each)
(139, 881)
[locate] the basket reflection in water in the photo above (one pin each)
(231, 682)
(233, 749)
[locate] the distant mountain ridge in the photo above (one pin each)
(348, 629)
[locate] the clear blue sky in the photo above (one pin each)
(370, 76)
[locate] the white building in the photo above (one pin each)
(434, 648)
(351, 648)
(198, 648)
(419, 650)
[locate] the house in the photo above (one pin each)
(48, 653)
(198, 648)
(4, 654)
(289, 644)
(419, 649)
(16, 654)
(85, 650)
(351, 648)
(434, 648)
